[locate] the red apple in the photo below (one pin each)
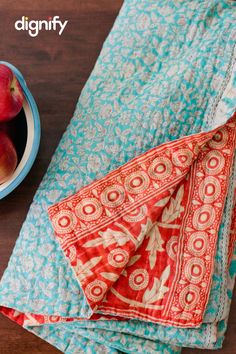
(11, 94)
(8, 157)
(4, 127)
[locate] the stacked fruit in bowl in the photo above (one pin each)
(11, 113)
(19, 128)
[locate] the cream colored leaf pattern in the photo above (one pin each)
(84, 270)
(163, 202)
(154, 244)
(112, 236)
(133, 260)
(124, 273)
(108, 238)
(158, 289)
(145, 228)
(110, 276)
(150, 295)
(165, 274)
(93, 243)
(127, 234)
(173, 210)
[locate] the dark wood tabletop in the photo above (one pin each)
(55, 69)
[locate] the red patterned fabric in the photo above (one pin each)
(142, 240)
(232, 238)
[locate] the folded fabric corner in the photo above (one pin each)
(142, 240)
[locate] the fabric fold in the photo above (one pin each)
(142, 239)
(129, 244)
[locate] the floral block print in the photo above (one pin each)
(142, 240)
(155, 270)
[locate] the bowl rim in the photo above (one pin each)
(37, 133)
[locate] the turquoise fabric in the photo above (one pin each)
(162, 74)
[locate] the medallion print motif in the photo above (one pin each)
(142, 239)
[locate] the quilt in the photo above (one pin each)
(129, 244)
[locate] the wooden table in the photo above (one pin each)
(55, 69)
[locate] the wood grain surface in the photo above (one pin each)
(55, 69)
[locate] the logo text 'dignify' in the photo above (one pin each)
(33, 27)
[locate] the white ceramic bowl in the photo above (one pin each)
(33, 137)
